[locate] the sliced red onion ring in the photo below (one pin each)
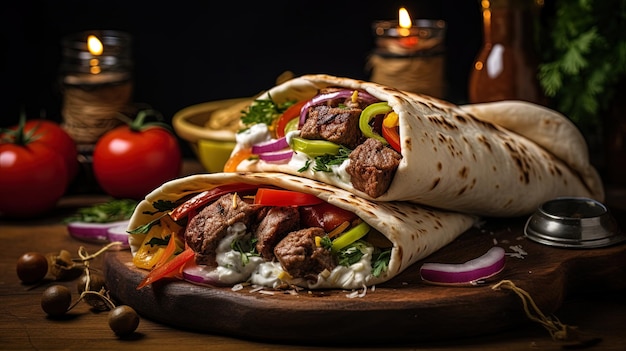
(119, 233)
(483, 267)
(316, 100)
(96, 232)
(270, 146)
(277, 156)
(199, 274)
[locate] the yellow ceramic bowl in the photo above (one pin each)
(211, 146)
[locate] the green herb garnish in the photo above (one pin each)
(326, 243)
(158, 241)
(162, 206)
(324, 162)
(264, 111)
(112, 211)
(380, 262)
(245, 245)
(351, 254)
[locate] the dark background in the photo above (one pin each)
(189, 52)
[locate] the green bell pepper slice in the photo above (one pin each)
(368, 114)
(350, 236)
(314, 148)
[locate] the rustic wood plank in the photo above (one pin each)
(404, 309)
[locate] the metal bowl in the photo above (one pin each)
(573, 222)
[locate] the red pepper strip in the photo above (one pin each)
(292, 112)
(392, 137)
(169, 251)
(235, 159)
(207, 196)
(167, 268)
(276, 197)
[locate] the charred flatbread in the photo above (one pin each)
(502, 161)
(406, 232)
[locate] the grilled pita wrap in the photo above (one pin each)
(406, 232)
(492, 160)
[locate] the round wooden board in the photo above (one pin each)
(404, 309)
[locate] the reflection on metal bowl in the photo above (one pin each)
(573, 222)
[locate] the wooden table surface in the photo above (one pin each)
(24, 325)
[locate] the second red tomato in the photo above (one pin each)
(130, 163)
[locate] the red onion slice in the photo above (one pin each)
(277, 156)
(270, 146)
(119, 233)
(199, 274)
(95, 232)
(483, 267)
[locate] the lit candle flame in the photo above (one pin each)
(404, 20)
(95, 48)
(94, 45)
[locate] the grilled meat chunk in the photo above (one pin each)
(372, 167)
(206, 229)
(274, 225)
(337, 124)
(300, 257)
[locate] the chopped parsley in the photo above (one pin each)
(112, 211)
(354, 252)
(158, 241)
(324, 162)
(245, 245)
(264, 111)
(380, 262)
(351, 254)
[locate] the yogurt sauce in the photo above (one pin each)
(231, 268)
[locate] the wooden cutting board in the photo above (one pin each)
(404, 309)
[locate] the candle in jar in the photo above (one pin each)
(406, 37)
(97, 83)
(409, 55)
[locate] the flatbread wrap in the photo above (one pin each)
(391, 145)
(276, 230)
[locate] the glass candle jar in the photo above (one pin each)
(410, 59)
(97, 84)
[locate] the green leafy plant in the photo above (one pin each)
(584, 58)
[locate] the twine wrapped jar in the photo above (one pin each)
(97, 84)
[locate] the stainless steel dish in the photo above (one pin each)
(573, 222)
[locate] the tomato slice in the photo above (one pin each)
(325, 216)
(207, 196)
(167, 268)
(393, 137)
(292, 112)
(278, 197)
(235, 159)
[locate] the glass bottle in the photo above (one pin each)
(506, 66)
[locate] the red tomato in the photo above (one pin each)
(325, 216)
(132, 160)
(33, 177)
(51, 134)
(37, 163)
